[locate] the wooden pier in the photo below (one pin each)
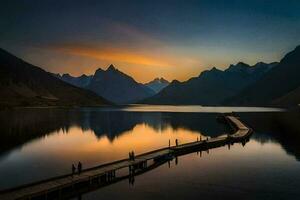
(68, 186)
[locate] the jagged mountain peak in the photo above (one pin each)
(213, 70)
(157, 84)
(237, 67)
(242, 64)
(99, 70)
(117, 86)
(260, 63)
(162, 80)
(175, 82)
(112, 68)
(84, 75)
(158, 80)
(66, 75)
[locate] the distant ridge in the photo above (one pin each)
(82, 81)
(157, 84)
(22, 84)
(212, 86)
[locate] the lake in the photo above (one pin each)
(40, 143)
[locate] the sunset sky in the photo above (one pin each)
(148, 39)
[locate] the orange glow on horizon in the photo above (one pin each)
(142, 65)
(114, 55)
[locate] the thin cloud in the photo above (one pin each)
(111, 54)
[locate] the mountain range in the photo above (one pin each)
(118, 87)
(23, 84)
(82, 81)
(280, 86)
(211, 87)
(239, 84)
(112, 84)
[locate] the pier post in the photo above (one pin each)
(59, 193)
(243, 143)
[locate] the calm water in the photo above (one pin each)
(40, 143)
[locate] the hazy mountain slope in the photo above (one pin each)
(280, 85)
(82, 81)
(24, 84)
(118, 87)
(157, 84)
(211, 87)
(292, 98)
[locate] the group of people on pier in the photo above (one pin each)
(79, 168)
(131, 155)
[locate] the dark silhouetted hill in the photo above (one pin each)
(280, 86)
(211, 87)
(22, 84)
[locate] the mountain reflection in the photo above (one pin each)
(282, 128)
(20, 126)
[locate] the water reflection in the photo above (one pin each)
(40, 143)
(282, 128)
(20, 126)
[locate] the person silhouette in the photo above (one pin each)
(79, 167)
(73, 169)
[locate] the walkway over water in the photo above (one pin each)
(69, 185)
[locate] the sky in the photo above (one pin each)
(148, 39)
